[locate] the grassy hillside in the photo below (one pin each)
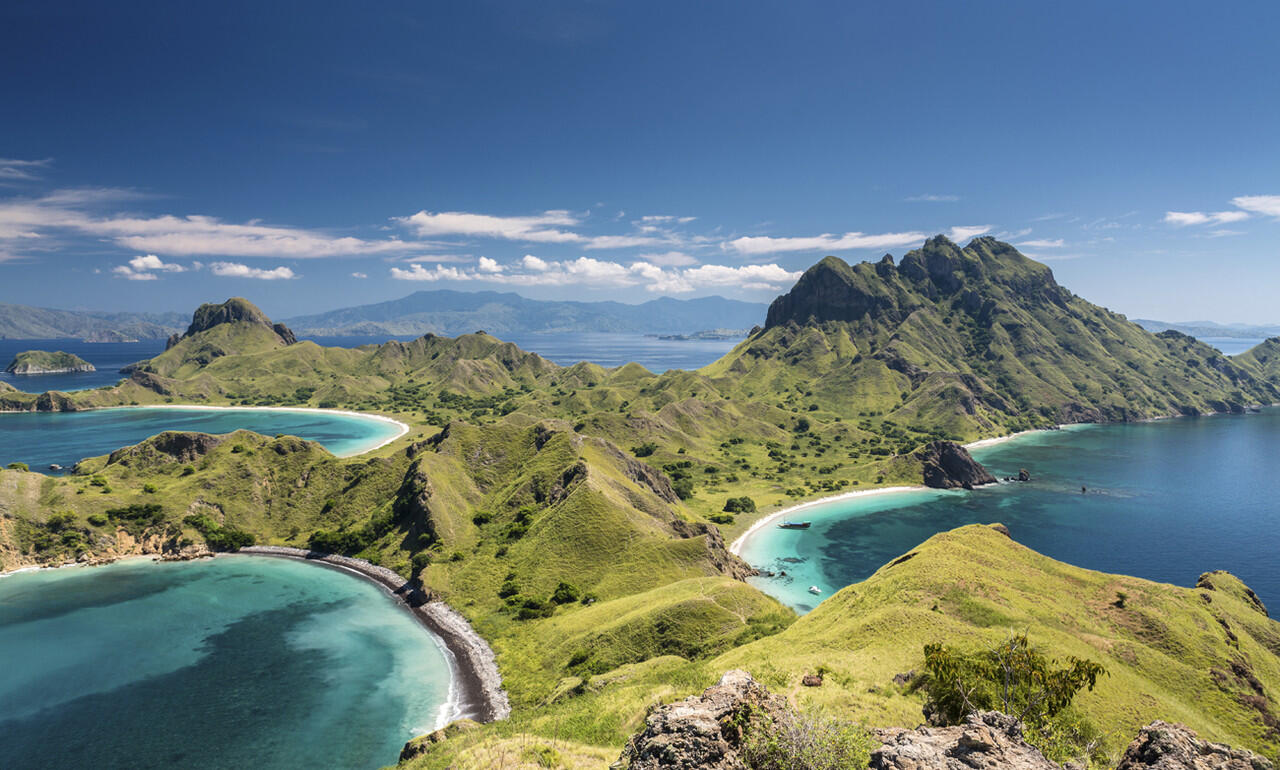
(1208, 656)
(976, 340)
(577, 515)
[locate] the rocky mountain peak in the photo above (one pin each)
(234, 310)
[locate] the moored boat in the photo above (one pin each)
(794, 525)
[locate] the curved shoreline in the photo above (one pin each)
(739, 542)
(475, 690)
(402, 428)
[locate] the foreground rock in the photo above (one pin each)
(702, 731)
(947, 465)
(44, 362)
(989, 739)
(1164, 746)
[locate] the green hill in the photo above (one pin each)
(977, 340)
(23, 322)
(578, 515)
(45, 362)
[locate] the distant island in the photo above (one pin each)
(44, 362)
(23, 322)
(1202, 329)
(706, 334)
(451, 313)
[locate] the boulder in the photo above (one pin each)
(987, 740)
(702, 731)
(947, 465)
(1164, 746)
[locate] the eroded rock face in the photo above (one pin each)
(702, 731)
(947, 465)
(175, 446)
(1164, 746)
(987, 740)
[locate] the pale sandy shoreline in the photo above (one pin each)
(475, 685)
(737, 545)
(402, 428)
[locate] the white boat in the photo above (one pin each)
(815, 590)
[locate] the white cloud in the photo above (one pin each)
(543, 228)
(669, 259)
(145, 267)
(965, 232)
(1267, 205)
(751, 245)
(126, 272)
(931, 198)
(360, 275)
(486, 265)
(622, 241)
(169, 235)
(530, 262)
(14, 170)
(1184, 218)
(417, 272)
(589, 272)
(236, 270)
(1043, 243)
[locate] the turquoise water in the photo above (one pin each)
(40, 439)
(1167, 501)
(235, 662)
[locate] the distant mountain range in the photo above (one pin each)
(450, 313)
(22, 322)
(1211, 329)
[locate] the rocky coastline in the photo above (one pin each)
(477, 691)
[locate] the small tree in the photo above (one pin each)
(1012, 677)
(564, 594)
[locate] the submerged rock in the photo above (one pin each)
(947, 465)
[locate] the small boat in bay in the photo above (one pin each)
(794, 525)
(815, 590)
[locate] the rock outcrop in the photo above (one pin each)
(947, 465)
(1164, 746)
(170, 446)
(234, 310)
(987, 740)
(702, 731)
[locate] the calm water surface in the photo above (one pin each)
(1167, 501)
(40, 439)
(236, 662)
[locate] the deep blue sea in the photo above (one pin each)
(106, 357)
(236, 662)
(40, 439)
(1166, 501)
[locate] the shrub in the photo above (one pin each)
(791, 741)
(802, 425)
(19, 467)
(739, 505)
(1012, 677)
(565, 593)
(721, 518)
(149, 488)
(97, 519)
(219, 537)
(420, 561)
(188, 470)
(644, 450)
(683, 488)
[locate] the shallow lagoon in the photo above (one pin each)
(1167, 501)
(40, 439)
(234, 662)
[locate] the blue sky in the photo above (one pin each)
(316, 155)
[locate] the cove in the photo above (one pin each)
(1167, 501)
(233, 662)
(40, 439)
